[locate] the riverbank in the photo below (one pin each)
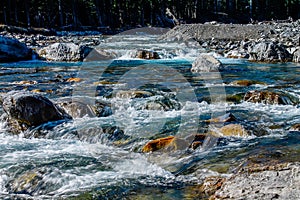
(261, 42)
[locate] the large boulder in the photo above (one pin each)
(25, 110)
(13, 50)
(69, 52)
(206, 63)
(269, 52)
(280, 181)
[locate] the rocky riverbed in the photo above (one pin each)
(112, 139)
(262, 42)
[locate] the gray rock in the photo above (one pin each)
(206, 63)
(268, 184)
(63, 52)
(13, 50)
(269, 52)
(296, 55)
(25, 110)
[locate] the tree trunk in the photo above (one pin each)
(61, 17)
(27, 13)
(98, 12)
(74, 13)
(16, 12)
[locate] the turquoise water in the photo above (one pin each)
(78, 159)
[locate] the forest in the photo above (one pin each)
(116, 14)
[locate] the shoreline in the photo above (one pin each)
(269, 42)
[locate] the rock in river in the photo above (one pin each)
(146, 54)
(13, 50)
(270, 97)
(25, 109)
(63, 52)
(206, 63)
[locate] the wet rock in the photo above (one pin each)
(295, 127)
(296, 56)
(235, 98)
(206, 63)
(74, 80)
(228, 117)
(133, 94)
(146, 54)
(63, 52)
(235, 130)
(78, 108)
(197, 140)
(27, 183)
(246, 82)
(269, 52)
(169, 143)
(103, 109)
(162, 103)
(270, 97)
(13, 50)
(278, 182)
(25, 109)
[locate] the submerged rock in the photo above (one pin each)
(25, 109)
(269, 52)
(246, 82)
(235, 130)
(27, 183)
(162, 103)
(63, 52)
(13, 50)
(206, 63)
(133, 94)
(270, 97)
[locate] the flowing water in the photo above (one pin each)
(79, 159)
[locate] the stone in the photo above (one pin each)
(235, 130)
(269, 52)
(146, 54)
(206, 63)
(167, 144)
(62, 52)
(77, 109)
(26, 109)
(27, 183)
(133, 94)
(74, 79)
(278, 182)
(228, 117)
(12, 50)
(295, 127)
(158, 144)
(162, 103)
(246, 82)
(296, 56)
(270, 97)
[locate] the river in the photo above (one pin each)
(170, 101)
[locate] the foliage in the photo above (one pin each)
(131, 13)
